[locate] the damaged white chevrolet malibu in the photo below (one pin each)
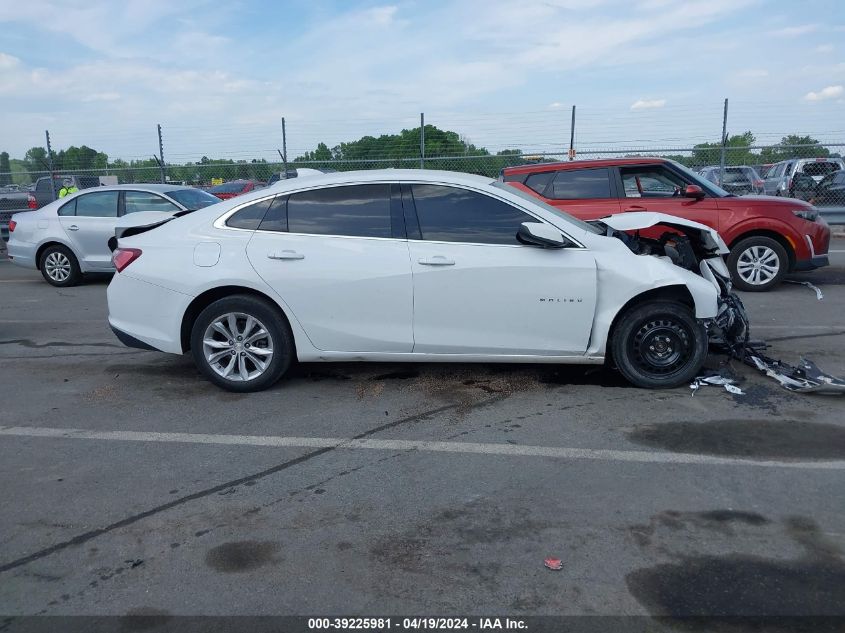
(419, 266)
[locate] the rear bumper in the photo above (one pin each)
(131, 341)
(21, 253)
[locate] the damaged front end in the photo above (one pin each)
(700, 249)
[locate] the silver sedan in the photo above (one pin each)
(70, 237)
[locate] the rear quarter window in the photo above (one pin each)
(250, 216)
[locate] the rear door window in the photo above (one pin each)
(539, 182)
(580, 184)
(451, 214)
(135, 201)
(101, 204)
(354, 211)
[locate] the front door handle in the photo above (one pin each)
(437, 260)
(286, 255)
(73, 227)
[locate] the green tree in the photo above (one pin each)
(737, 152)
(794, 146)
(5, 169)
(35, 159)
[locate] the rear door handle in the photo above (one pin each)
(635, 208)
(73, 227)
(437, 260)
(286, 255)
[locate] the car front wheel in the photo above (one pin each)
(757, 263)
(242, 343)
(659, 345)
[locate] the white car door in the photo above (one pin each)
(338, 257)
(479, 291)
(89, 220)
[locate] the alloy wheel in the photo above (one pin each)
(758, 265)
(58, 267)
(237, 346)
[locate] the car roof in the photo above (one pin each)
(584, 164)
(379, 175)
(139, 187)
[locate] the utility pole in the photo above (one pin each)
(572, 136)
(724, 144)
(284, 148)
(422, 140)
(50, 164)
(161, 155)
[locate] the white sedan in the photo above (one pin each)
(412, 265)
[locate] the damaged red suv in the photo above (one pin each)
(768, 236)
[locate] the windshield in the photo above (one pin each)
(192, 198)
(539, 203)
(229, 187)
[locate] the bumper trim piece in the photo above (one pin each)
(131, 341)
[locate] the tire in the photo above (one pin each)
(59, 266)
(236, 364)
(659, 345)
(757, 263)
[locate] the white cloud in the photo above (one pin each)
(795, 31)
(824, 48)
(382, 16)
(645, 104)
(8, 61)
(556, 105)
(829, 92)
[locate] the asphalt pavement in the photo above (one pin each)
(132, 486)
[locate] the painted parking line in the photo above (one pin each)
(509, 450)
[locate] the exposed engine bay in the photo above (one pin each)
(699, 249)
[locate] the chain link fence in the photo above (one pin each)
(804, 164)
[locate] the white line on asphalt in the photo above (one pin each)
(831, 328)
(512, 450)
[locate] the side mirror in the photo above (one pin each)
(693, 191)
(542, 235)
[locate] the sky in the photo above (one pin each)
(220, 75)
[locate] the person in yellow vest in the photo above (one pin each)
(67, 188)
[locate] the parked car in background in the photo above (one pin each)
(13, 201)
(234, 188)
(45, 194)
(738, 180)
(768, 237)
(416, 266)
(299, 172)
(762, 170)
(69, 237)
(830, 192)
(780, 179)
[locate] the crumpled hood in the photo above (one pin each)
(634, 220)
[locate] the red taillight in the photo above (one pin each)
(12, 225)
(758, 183)
(122, 257)
(31, 202)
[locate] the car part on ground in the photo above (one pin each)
(806, 378)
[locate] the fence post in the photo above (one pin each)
(50, 164)
(161, 155)
(284, 148)
(422, 140)
(724, 144)
(572, 136)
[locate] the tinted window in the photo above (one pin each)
(145, 201)
(577, 184)
(250, 216)
(820, 169)
(69, 208)
(236, 186)
(653, 181)
(102, 204)
(193, 198)
(539, 182)
(449, 214)
(276, 218)
(359, 210)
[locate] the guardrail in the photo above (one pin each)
(833, 215)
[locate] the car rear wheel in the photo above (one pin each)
(757, 263)
(59, 266)
(242, 343)
(659, 345)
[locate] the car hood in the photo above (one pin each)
(767, 200)
(708, 237)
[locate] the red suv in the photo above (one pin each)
(768, 236)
